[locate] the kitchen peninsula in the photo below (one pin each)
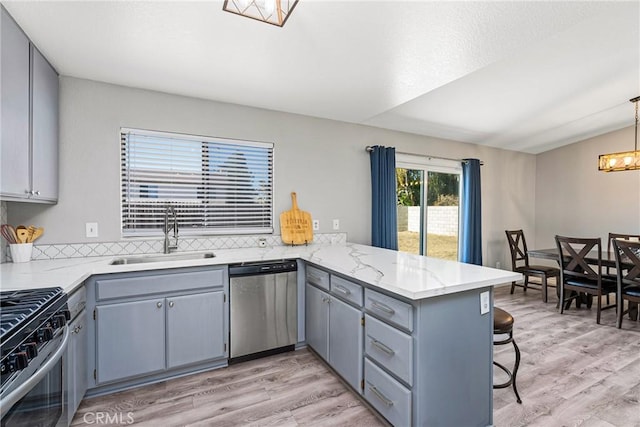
(446, 340)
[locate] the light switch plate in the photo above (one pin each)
(484, 302)
(92, 229)
(336, 224)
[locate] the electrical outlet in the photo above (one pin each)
(92, 229)
(497, 264)
(316, 224)
(484, 302)
(336, 224)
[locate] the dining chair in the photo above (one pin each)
(520, 264)
(577, 275)
(619, 236)
(628, 274)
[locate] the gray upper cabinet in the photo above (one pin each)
(44, 129)
(14, 110)
(29, 116)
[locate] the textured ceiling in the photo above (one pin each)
(525, 76)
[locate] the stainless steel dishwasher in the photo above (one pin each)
(264, 312)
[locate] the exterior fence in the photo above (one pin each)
(441, 220)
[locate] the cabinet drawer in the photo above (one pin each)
(387, 395)
(390, 347)
(318, 277)
(346, 290)
(158, 283)
(389, 309)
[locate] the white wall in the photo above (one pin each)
(574, 199)
(324, 161)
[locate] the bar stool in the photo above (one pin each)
(503, 325)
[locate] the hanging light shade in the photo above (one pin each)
(624, 161)
(274, 12)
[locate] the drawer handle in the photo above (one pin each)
(380, 396)
(382, 307)
(382, 347)
(343, 290)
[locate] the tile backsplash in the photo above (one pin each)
(132, 247)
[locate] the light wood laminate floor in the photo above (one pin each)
(573, 372)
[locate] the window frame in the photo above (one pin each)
(202, 231)
(429, 164)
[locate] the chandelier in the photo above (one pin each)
(273, 12)
(625, 161)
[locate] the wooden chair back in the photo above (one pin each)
(518, 248)
(627, 261)
(572, 252)
(618, 236)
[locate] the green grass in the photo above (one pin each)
(438, 246)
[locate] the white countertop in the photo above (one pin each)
(411, 276)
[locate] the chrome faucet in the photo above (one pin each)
(170, 210)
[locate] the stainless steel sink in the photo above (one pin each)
(161, 258)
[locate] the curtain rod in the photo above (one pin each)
(369, 149)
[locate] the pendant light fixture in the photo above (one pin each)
(625, 161)
(273, 12)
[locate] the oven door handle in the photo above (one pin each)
(24, 388)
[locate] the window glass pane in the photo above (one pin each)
(410, 188)
(428, 208)
(215, 186)
(442, 215)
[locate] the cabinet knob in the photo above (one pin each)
(170, 303)
(37, 193)
(28, 192)
(159, 305)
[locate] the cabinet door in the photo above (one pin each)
(131, 339)
(195, 328)
(14, 109)
(317, 327)
(44, 129)
(345, 341)
(76, 363)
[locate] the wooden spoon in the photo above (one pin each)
(21, 232)
(37, 233)
(30, 230)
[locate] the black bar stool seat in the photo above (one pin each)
(503, 325)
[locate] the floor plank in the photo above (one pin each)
(573, 372)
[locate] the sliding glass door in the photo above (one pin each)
(428, 193)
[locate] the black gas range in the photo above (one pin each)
(33, 338)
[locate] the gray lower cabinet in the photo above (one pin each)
(194, 331)
(317, 320)
(411, 360)
(152, 325)
(334, 331)
(76, 364)
(345, 341)
(130, 339)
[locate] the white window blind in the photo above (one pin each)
(216, 186)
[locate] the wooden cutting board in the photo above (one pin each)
(296, 227)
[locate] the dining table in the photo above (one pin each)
(607, 259)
